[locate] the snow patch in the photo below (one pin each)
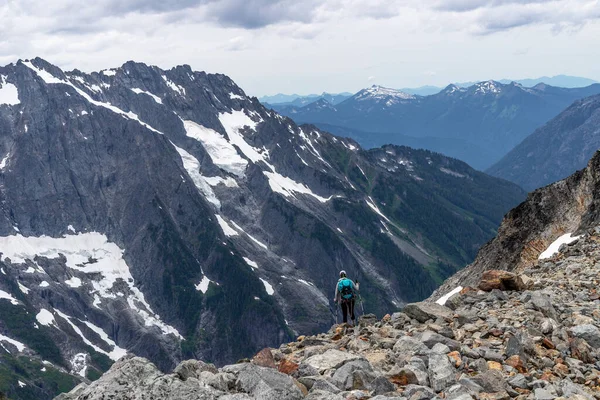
(45, 317)
(44, 284)
(174, 86)
(192, 166)
(20, 346)
(9, 94)
(287, 186)
(227, 229)
(74, 282)
(268, 287)
(222, 153)
(251, 263)
(113, 355)
(555, 246)
(217, 180)
(8, 296)
(140, 91)
(453, 173)
(109, 72)
(22, 288)
(233, 123)
(203, 285)
(22, 384)
(234, 96)
(442, 300)
(79, 364)
(372, 205)
(90, 253)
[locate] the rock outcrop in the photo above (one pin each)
(534, 342)
(569, 206)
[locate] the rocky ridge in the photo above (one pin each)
(533, 335)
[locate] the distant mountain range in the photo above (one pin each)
(555, 150)
(297, 100)
(478, 124)
(565, 81)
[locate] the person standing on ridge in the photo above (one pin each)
(345, 293)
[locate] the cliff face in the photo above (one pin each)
(168, 214)
(567, 206)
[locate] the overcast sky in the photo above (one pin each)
(305, 46)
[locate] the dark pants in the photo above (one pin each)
(348, 305)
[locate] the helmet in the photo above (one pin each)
(342, 274)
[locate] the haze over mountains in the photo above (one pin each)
(565, 81)
(166, 213)
(478, 124)
(555, 150)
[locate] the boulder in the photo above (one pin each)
(357, 374)
(442, 373)
(331, 359)
(543, 304)
(430, 339)
(590, 333)
(402, 376)
(322, 395)
(409, 346)
(267, 383)
(264, 358)
(501, 280)
(424, 311)
(193, 368)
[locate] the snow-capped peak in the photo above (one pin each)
(381, 93)
(488, 87)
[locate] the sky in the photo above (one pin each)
(311, 46)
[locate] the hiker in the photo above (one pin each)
(345, 292)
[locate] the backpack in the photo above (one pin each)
(345, 289)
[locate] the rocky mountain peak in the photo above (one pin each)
(379, 93)
(566, 207)
(167, 214)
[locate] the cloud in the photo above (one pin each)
(254, 14)
(491, 16)
(237, 43)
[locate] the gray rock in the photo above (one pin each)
(412, 390)
(331, 359)
(491, 381)
(267, 383)
(569, 389)
(423, 311)
(322, 395)
(543, 394)
(193, 368)
(407, 345)
(324, 385)
(354, 375)
(381, 385)
(441, 372)
(519, 381)
(589, 333)
(440, 348)
(543, 304)
(430, 339)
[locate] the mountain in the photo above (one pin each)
(167, 214)
(556, 150)
(550, 216)
(482, 123)
(299, 101)
(536, 340)
(423, 90)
